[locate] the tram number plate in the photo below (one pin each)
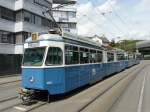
(34, 44)
(93, 71)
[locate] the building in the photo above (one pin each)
(101, 39)
(18, 18)
(143, 47)
(65, 16)
(64, 1)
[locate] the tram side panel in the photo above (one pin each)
(97, 72)
(84, 75)
(55, 80)
(71, 77)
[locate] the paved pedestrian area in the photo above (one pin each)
(136, 98)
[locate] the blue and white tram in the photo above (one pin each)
(59, 64)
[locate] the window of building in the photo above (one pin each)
(56, 13)
(72, 14)
(99, 56)
(64, 25)
(71, 54)
(46, 22)
(38, 20)
(19, 16)
(6, 37)
(27, 16)
(92, 56)
(71, 25)
(64, 14)
(84, 55)
(25, 35)
(7, 14)
(54, 56)
(110, 57)
(35, 19)
(68, 25)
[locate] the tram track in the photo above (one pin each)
(7, 99)
(9, 103)
(8, 94)
(3, 83)
(6, 76)
(22, 108)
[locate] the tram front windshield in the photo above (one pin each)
(33, 56)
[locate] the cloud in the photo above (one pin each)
(84, 9)
(87, 19)
(143, 5)
(108, 6)
(135, 34)
(90, 20)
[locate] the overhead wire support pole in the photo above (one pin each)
(49, 12)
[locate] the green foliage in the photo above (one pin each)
(128, 45)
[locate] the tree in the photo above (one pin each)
(127, 45)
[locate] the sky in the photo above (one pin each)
(116, 19)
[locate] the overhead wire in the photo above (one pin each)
(120, 18)
(110, 20)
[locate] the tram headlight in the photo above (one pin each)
(31, 79)
(24, 97)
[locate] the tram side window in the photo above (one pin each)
(54, 56)
(110, 57)
(99, 56)
(92, 56)
(84, 55)
(120, 57)
(71, 55)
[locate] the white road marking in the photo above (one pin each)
(20, 108)
(141, 97)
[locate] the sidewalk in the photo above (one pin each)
(15, 78)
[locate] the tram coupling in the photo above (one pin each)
(27, 96)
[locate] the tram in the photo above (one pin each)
(61, 63)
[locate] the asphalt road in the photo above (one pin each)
(136, 98)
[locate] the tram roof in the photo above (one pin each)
(57, 37)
